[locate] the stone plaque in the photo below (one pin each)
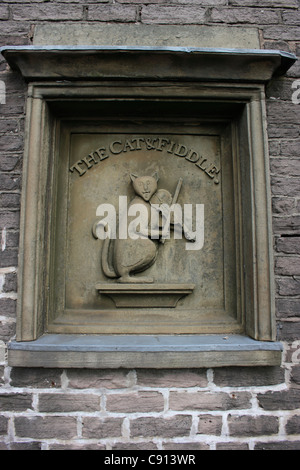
(145, 231)
(146, 221)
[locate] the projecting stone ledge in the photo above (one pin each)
(145, 295)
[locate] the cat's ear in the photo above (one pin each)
(155, 176)
(133, 177)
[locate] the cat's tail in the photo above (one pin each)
(108, 271)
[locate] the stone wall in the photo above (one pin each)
(226, 408)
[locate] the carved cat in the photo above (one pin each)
(134, 255)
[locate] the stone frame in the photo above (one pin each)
(208, 79)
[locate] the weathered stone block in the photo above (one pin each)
(289, 330)
(4, 12)
(8, 125)
(89, 378)
(287, 225)
(3, 424)
(33, 445)
(253, 425)
(289, 286)
(232, 446)
(291, 148)
(65, 402)
(251, 376)
(291, 33)
(9, 258)
(185, 446)
(48, 427)
(291, 17)
(15, 401)
(278, 445)
(288, 307)
(180, 401)
(283, 131)
(10, 282)
(146, 35)
(77, 446)
(124, 13)
(7, 307)
(265, 3)
(9, 219)
(9, 162)
(280, 400)
(210, 424)
(295, 374)
(10, 200)
(7, 330)
(287, 265)
(47, 12)
(135, 402)
(98, 428)
(285, 186)
(35, 377)
(175, 426)
(282, 112)
(283, 205)
(244, 15)
(293, 425)
(9, 182)
(286, 166)
(11, 143)
(173, 14)
(172, 378)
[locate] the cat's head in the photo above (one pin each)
(145, 186)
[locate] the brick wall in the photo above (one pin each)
(228, 408)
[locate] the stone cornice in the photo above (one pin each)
(146, 63)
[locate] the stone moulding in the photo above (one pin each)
(60, 77)
(145, 295)
(140, 351)
(95, 62)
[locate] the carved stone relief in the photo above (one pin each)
(156, 208)
(138, 250)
